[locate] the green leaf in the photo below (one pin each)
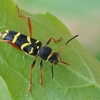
(78, 81)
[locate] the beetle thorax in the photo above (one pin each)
(46, 53)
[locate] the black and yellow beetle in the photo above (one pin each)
(33, 47)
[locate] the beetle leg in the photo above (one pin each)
(15, 46)
(49, 40)
(30, 84)
(28, 20)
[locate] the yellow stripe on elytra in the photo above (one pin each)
(5, 33)
(37, 41)
(37, 47)
(49, 55)
(26, 44)
(31, 51)
(15, 37)
(28, 39)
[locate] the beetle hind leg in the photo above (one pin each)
(15, 46)
(30, 83)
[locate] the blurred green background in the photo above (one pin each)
(81, 17)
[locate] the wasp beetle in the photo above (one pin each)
(34, 47)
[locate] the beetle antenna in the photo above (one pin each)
(67, 42)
